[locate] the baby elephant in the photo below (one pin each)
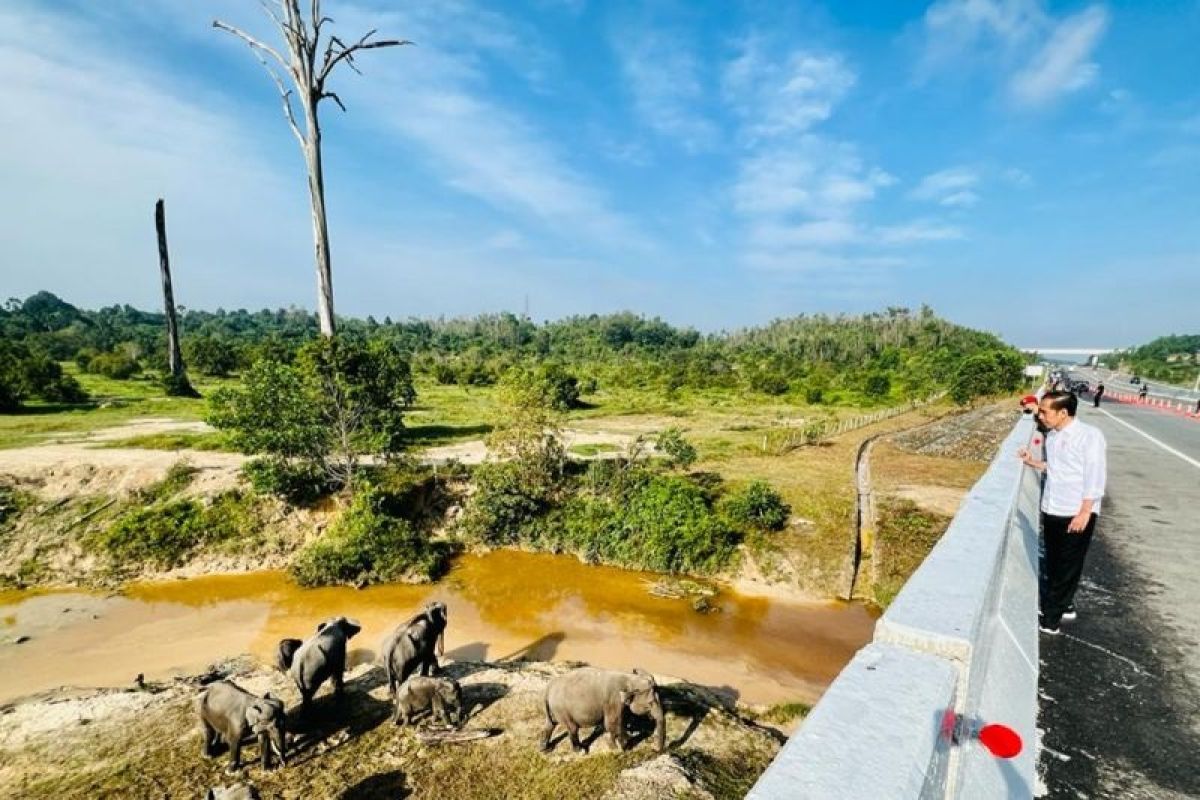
(442, 697)
(588, 697)
(228, 712)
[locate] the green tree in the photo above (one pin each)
(343, 399)
(878, 384)
(212, 355)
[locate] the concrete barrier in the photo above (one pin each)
(961, 637)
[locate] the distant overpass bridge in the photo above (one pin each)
(1070, 351)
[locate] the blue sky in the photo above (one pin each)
(1025, 167)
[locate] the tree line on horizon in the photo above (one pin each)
(858, 359)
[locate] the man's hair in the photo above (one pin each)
(1061, 400)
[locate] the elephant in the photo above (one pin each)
(321, 656)
(442, 697)
(410, 648)
(228, 712)
(588, 697)
(286, 652)
(239, 792)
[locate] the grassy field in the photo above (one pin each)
(736, 436)
(113, 403)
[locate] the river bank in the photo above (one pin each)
(146, 743)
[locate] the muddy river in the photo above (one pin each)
(505, 605)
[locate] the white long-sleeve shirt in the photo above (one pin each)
(1075, 469)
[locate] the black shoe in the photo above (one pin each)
(1046, 628)
(1070, 615)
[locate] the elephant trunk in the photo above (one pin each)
(441, 644)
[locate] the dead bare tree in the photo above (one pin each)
(177, 383)
(309, 76)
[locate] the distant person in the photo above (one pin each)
(1142, 392)
(1075, 468)
(1098, 394)
(1197, 410)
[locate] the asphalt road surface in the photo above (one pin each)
(1118, 382)
(1120, 687)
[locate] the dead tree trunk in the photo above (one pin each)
(177, 382)
(308, 74)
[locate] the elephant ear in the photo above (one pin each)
(350, 626)
(254, 717)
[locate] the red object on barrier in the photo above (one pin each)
(1000, 740)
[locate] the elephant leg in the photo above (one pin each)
(573, 733)
(264, 747)
(547, 732)
(210, 739)
(235, 756)
(613, 723)
(438, 711)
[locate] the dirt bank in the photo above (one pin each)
(145, 743)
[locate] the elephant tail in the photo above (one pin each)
(286, 652)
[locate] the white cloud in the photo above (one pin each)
(784, 96)
(1017, 176)
(949, 187)
(93, 141)
(917, 231)
(440, 101)
(665, 79)
(802, 260)
(813, 176)
(1039, 56)
(1062, 64)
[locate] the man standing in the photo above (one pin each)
(1075, 470)
(1098, 394)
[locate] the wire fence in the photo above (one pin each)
(785, 440)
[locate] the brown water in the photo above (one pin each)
(503, 605)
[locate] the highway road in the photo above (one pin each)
(1114, 381)
(1120, 688)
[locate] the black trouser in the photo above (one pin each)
(1096, 400)
(1065, 552)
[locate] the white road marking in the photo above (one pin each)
(1163, 445)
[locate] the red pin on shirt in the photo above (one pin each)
(1000, 740)
(1037, 440)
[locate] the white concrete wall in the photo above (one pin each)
(961, 635)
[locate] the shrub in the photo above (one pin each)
(179, 476)
(679, 451)
(663, 523)
(116, 365)
(298, 482)
(166, 534)
(367, 545)
(814, 395)
(505, 503)
(757, 506)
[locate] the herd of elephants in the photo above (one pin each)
(583, 698)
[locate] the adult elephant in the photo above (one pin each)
(319, 658)
(414, 646)
(589, 697)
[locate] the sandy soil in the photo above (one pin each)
(78, 465)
